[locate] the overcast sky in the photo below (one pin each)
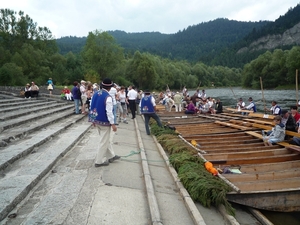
(79, 17)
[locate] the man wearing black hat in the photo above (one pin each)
(148, 109)
(101, 115)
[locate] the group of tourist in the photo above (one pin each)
(284, 120)
(198, 103)
(31, 90)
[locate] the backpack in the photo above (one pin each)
(79, 92)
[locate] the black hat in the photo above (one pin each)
(284, 111)
(107, 83)
(147, 92)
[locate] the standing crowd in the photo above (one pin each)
(108, 103)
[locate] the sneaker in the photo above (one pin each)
(116, 157)
(125, 121)
(102, 164)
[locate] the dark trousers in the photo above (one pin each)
(34, 93)
(27, 94)
(132, 107)
(147, 117)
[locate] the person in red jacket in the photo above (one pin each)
(66, 91)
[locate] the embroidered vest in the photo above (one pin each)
(97, 112)
(146, 105)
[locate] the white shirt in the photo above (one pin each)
(109, 109)
(82, 90)
(275, 110)
(113, 93)
(240, 104)
(132, 94)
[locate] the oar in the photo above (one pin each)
(297, 94)
(262, 92)
(233, 93)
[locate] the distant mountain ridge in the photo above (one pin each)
(219, 42)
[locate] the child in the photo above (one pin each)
(277, 134)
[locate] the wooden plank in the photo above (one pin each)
(260, 121)
(270, 167)
(260, 115)
(270, 175)
(256, 147)
(234, 115)
(267, 185)
(237, 111)
(249, 154)
(232, 125)
(255, 160)
(294, 148)
(255, 134)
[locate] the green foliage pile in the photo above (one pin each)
(202, 186)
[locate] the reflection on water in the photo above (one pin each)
(279, 218)
(284, 98)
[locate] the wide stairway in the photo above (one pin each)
(34, 134)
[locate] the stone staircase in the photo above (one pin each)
(34, 135)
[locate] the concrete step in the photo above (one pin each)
(6, 107)
(22, 131)
(32, 110)
(5, 99)
(24, 164)
(12, 122)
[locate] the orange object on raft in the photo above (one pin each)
(210, 168)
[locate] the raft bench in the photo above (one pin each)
(285, 144)
(261, 115)
(237, 111)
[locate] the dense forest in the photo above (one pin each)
(147, 60)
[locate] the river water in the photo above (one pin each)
(285, 99)
(229, 96)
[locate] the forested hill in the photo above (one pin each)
(203, 42)
(146, 41)
(198, 42)
(214, 43)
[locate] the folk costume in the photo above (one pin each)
(148, 107)
(101, 115)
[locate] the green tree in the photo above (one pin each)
(11, 74)
(141, 71)
(293, 63)
(101, 53)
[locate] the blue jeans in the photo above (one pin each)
(147, 117)
(76, 102)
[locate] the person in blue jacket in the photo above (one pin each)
(148, 110)
(50, 86)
